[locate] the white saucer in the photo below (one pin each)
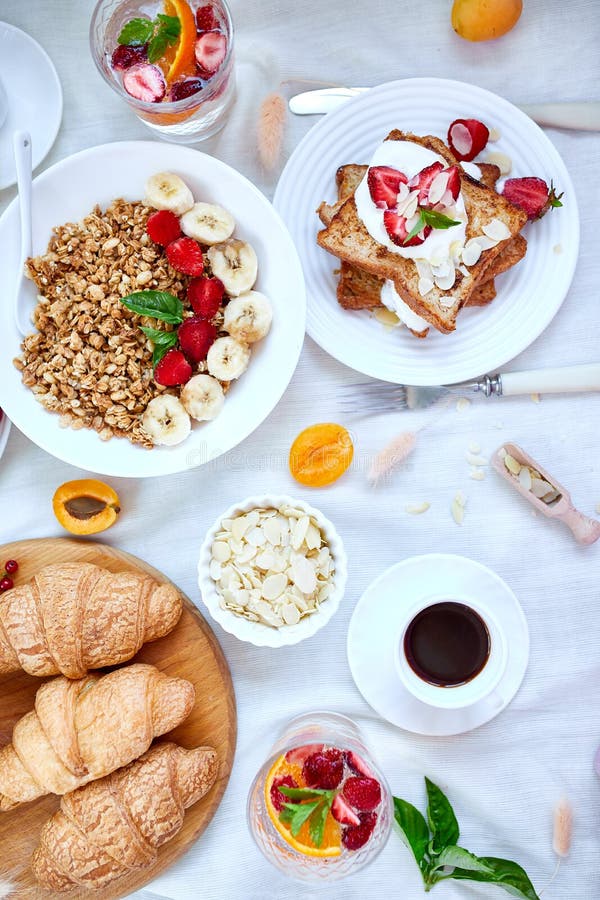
(376, 623)
(34, 94)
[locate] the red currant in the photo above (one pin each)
(6, 584)
(11, 566)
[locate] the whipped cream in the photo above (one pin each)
(394, 302)
(409, 158)
(472, 170)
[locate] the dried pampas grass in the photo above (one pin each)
(392, 456)
(271, 122)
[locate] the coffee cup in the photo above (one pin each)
(451, 652)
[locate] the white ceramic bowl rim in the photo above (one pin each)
(255, 632)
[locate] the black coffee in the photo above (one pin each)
(447, 644)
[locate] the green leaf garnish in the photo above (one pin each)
(317, 821)
(305, 793)
(416, 229)
(168, 29)
(553, 197)
(136, 32)
(433, 845)
(316, 806)
(296, 814)
(162, 340)
(437, 219)
(155, 304)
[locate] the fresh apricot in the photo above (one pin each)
(86, 506)
(483, 20)
(320, 454)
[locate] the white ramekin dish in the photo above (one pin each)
(256, 632)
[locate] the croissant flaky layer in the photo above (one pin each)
(116, 824)
(82, 730)
(73, 617)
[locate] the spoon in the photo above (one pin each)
(585, 529)
(22, 150)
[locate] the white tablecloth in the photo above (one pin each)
(505, 777)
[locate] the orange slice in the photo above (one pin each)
(302, 843)
(320, 454)
(179, 60)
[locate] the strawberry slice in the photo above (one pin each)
(531, 194)
(395, 226)
(145, 82)
(453, 181)
(277, 798)
(210, 51)
(423, 179)
(172, 369)
(206, 19)
(356, 836)
(357, 764)
(384, 184)
(196, 336)
(163, 227)
(467, 138)
(298, 755)
(343, 813)
(206, 296)
(185, 255)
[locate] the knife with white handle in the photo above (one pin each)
(574, 116)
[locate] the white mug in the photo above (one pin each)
(481, 686)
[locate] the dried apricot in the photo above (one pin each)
(320, 454)
(85, 506)
(483, 20)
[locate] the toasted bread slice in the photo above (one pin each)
(347, 238)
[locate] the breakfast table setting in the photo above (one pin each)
(353, 476)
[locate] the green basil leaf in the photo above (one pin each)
(305, 793)
(317, 822)
(441, 818)
(136, 32)
(413, 829)
(416, 229)
(155, 304)
(163, 341)
(505, 873)
(170, 25)
(437, 219)
(167, 34)
(157, 47)
(296, 814)
(461, 858)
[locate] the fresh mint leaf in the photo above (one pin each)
(413, 829)
(167, 34)
(505, 873)
(162, 340)
(317, 821)
(296, 814)
(437, 219)
(441, 818)
(416, 229)
(136, 32)
(305, 793)
(156, 304)
(458, 857)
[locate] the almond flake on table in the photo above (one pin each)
(416, 509)
(462, 403)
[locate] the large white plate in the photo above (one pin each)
(34, 98)
(528, 296)
(67, 192)
(4, 432)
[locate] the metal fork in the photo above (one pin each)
(371, 397)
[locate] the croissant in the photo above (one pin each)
(73, 617)
(107, 828)
(81, 730)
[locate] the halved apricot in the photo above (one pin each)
(86, 506)
(321, 454)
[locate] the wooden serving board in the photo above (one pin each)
(190, 651)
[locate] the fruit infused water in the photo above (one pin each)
(319, 808)
(172, 61)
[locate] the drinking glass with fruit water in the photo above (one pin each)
(171, 61)
(319, 808)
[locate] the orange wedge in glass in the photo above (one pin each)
(180, 60)
(302, 843)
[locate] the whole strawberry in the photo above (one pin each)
(531, 194)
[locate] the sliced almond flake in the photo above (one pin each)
(460, 498)
(502, 160)
(447, 302)
(445, 282)
(272, 530)
(424, 286)
(438, 187)
(458, 512)
(265, 560)
(273, 586)
(303, 575)
(535, 398)
(415, 509)
(462, 403)
(299, 532)
(256, 537)
(442, 268)
(215, 569)
(456, 249)
(471, 252)
(464, 271)
(497, 230)
(386, 317)
(239, 527)
(475, 459)
(494, 135)
(525, 479)
(226, 524)
(540, 487)
(403, 192)
(291, 512)
(313, 538)
(423, 267)
(512, 464)
(220, 551)
(324, 592)
(474, 447)
(477, 474)
(247, 554)
(551, 497)
(290, 614)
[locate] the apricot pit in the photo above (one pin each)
(86, 506)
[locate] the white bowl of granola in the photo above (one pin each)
(272, 570)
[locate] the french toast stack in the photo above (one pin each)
(366, 264)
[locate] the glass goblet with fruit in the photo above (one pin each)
(171, 61)
(319, 809)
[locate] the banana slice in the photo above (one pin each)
(248, 317)
(235, 263)
(203, 397)
(227, 359)
(166, 421)
(208, 223)
(167, 191)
